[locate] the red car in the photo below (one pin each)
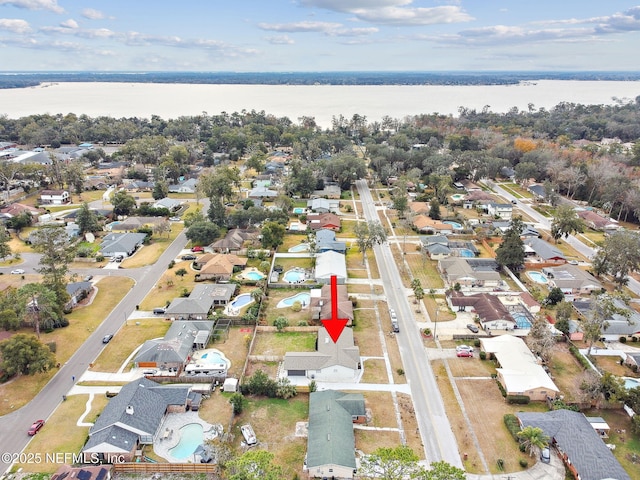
(464, 353)
(197, 249)
(35, 428)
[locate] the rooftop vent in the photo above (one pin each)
(129, 410)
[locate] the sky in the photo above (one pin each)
(319, 35)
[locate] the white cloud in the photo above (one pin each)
(396, 12)
(280, 40)
(92, 14)
(14, 25)
(51, 5)
(327, 28)
(71, 23)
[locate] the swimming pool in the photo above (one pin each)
(191, 437)
(537, 277)
(457, 196)
(630, 383)
(455, 225)
(212, 357)
(253, 275)
(303, 247)
(522, 321)
(465, 252)
(304, 298)
(293, 276)
(242, 300)
(298, 211)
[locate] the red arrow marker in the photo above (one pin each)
(334, 325)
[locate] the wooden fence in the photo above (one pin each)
(149, 467)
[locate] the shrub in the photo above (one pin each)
(512, 424)
(52, 346)
(172, 263)
(483, 355)
(623, 339)
(297, 306)
(476, 343)
(502, 390)
(400, 371)
(99, 258)
(522, 447)
(583, 361)
(500, 464)
(523, 463)
(303, 323)
(518, 399)
(281, 323)
(238, 402)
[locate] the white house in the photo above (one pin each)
(500, 210)
(54, 197)
(330, 263)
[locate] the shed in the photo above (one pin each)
(230, 385)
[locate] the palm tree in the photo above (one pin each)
(533, 438)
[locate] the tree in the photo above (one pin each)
(217, 212)
(540, 338)
(618, 256)
(40, 306)
(566, 222)
(272, 234)
(285, 389)
(123, 203)
(20, 221)
(57, 253)
(281, 323)
(442, 471)
(555, 296)
(510, 253)
(203, 233)
(9, 320)
(368, 235)
(5, 249)
(25, 355)
(238, 403)
(434, 209)
(181, 272)
(73, 173)
(388, 463)
(87, 219)
(533, 438)
(193, 217)
(596, 321)
(254, 465)
(400, 202)
(160, 190)
(564, 311)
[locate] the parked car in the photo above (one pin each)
(197, 249)
(159, 311)
(466, 348)
(17, 271)
(473, 328)
(35, 427)
(188, 257)
(107, 338)
(545, 455)
(464, 353)
(88, 278)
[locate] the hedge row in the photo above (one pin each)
(512, 424)
(583, 361)
(518, 399)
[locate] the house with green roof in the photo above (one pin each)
(331, 441)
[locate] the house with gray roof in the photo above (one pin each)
(331, 362)
(169, 203)
(326, 241)
(124, 244)
(470, 272)
(188, 186)
(330, 263)
(536, 249)
(572, 280)
(500, 210)
(133, 417)
(173, 351)
(77, 292)
(617, 325)
(323, 205)
(200, 301)
(330, 440)
(584, 453)
(262, 193)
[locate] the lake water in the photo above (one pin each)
(322, 102)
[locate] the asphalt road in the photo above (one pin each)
(14, 426)
(435, 430)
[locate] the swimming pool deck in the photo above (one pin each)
(173, 423)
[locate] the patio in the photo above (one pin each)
(170, 436)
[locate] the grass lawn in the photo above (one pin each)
(355, 267)
(612, 365)
(128, 338)
(216, 409)
(279, 343)
(565, 370)
(288, 263)
(365, 330)
(374, 371)
(149, 254)
(271, 311)
(50, 441)
(274, 422)
(169, 286)
(425, 270)
(18, 245)
(16, 393)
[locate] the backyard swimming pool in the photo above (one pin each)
(191, 437)
(303, 247)
(630, 383)
(293, 276)
(242, 300)
(455, 225)
(304, 298)
(522, 321)
(538, 277)
(298, 211)
(457, 196)
(465, 252)
(253, 275)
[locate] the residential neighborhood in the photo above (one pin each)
(195, 309)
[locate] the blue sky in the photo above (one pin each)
(319, 35)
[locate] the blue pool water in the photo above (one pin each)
(465, 252)
(242, 300)
(191, 437)
(457, 196)
(303, 247)
(630, 383)
(537, 277)
(298, 210)
(253, 275)
(303, 298)
(522, 321)
(455, 225)
(293, 276)
(212, 357)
